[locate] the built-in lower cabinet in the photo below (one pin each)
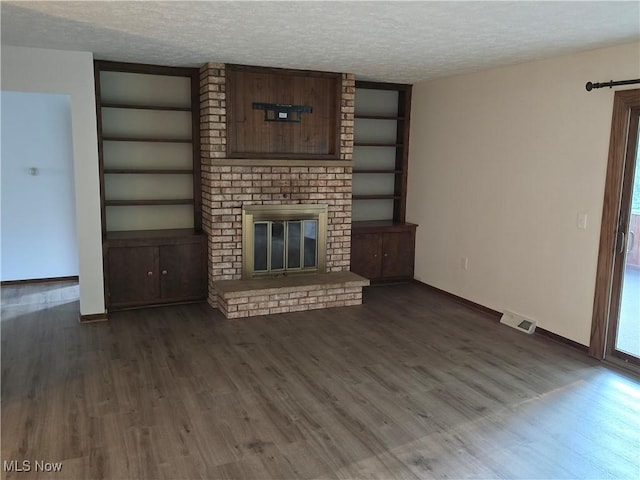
(155, 269)
(383, 251)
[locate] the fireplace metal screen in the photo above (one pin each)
(285, 245)
(280, 239)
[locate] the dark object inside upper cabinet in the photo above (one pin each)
(250, 135)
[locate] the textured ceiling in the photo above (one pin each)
(385, 41)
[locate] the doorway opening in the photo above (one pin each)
(38, 194)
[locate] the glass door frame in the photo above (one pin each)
(606, 306)
(622, 242)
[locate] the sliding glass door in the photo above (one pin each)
(624, 315)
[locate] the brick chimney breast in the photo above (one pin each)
(228, 184)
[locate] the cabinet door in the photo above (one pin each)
(398, 254)
(182, 272)
(133, 275)
(365, 254)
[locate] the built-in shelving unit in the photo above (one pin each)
(381, 135)
(382, 244)
(149, 146)
(149, 151)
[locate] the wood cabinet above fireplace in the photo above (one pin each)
(286, 114)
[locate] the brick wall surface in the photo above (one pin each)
(347, 110)
(213, 145)
(227, 186)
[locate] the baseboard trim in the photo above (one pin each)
(560, 339)
(93, 318)
(495, 315)
(6, 283)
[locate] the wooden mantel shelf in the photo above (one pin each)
(271, 162)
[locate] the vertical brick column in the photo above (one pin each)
(213, 144)
(339, 185)
(347, 110)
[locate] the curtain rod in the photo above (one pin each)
(590, 86)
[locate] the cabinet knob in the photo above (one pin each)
(164, 272)
(149, 274)
(375, 255)
(385, 254)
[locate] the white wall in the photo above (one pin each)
(38, 211)
(71, 73)
(501, 164)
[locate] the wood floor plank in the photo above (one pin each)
(408, 385)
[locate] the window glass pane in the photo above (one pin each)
(310, 241)
(259, 246)
(293, 244)
(277, 245)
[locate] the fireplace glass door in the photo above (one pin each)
(285, 245)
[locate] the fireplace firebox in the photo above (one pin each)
(283, 239)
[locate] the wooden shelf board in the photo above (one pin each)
(108, 138)
(360, 225)
(379, 117)
(375, 197)
(176, 171)
(145, 107)
(376, 170)
(165, 233)
(121, 203)
(374, 144)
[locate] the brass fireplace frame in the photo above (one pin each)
(253, 213)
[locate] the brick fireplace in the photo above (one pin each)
(230, 184)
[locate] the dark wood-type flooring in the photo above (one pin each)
(409, 385)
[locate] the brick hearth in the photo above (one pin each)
(295, 293)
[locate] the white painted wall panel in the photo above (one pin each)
(38, 210)
(501, 163)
